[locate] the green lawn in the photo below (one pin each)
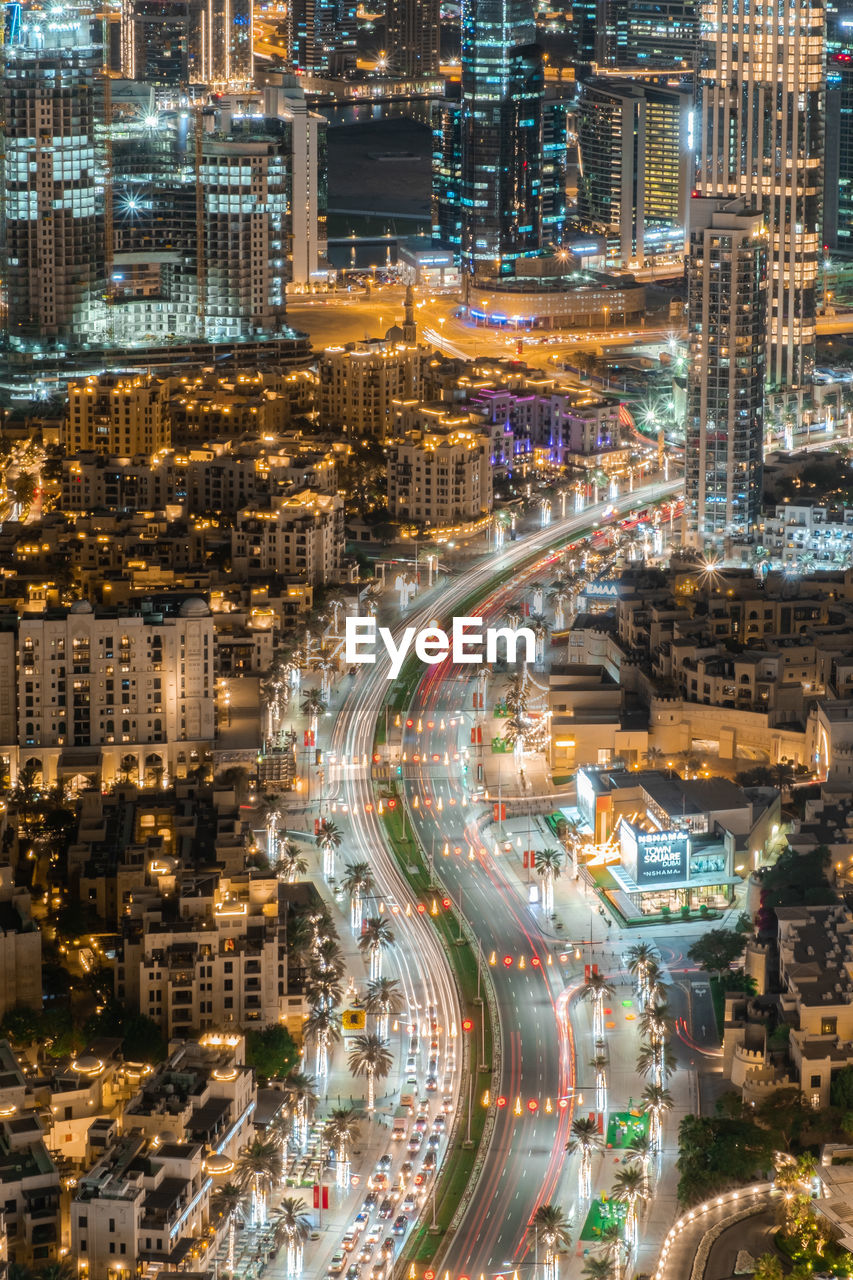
(602, 1215)
(623, 1127)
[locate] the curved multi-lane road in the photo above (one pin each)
(525, 1155)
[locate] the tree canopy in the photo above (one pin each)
(271, 1051)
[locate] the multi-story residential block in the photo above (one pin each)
(300, 536)
(171, 43)
(222, 963)
(439, 472)
(96, 688)
(143, 1204)
(760, 95)
(20, 946)
(203, 1092)
(53, 267)
(805, 536)
(635, 145)
(724, 434)
(412, 31)
(358, 385)
(114, 414)
(29, 1180)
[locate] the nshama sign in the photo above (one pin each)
(654, 857)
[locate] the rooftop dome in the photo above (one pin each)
(81, 606)
(194, 607)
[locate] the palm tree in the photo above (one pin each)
(550, 1228)
(548, 865)
(656, 1060)
(584, 1138)
(515, 730)
(340, 1132)
(279, 1130)
(323, 989)
(301, 1098)
(641, 1146)
(599, 1066)
(630, 1187)
(328, 839)
(597, 989)
(655, 1022)
(321, 1028)
(655, 1101)
(358, 882)
(271, 814)
(291, 862)
(228, 1203)
(516, 696)
(313, 706)
(61, 1269)
(642, 957)
(561, 591)
(377, 935)
(597, 1269)
(611, 1239)
(371, 1057)
(292, 1227)
(259, 1168)
(382, 998)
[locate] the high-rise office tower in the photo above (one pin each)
(661, 34)
(322, 35)
(52, 266)
(598, 31)
(760, 97)
(411, 35)
(178, 42)
(727, 331)
(501, 136)
(837, 235)
(635, 166)
(447, 174)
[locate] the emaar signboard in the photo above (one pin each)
(655, 857)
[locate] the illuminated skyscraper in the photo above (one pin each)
(727, 332)
(501, 136)
(176, 42)
(412, 32)
(636, 160)
(760, 95)
(52, 268)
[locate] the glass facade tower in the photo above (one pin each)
(501, 136)
(727, 331)
(760, 97)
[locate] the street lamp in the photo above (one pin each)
(441, 323)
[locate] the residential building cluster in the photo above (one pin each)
(713, 664)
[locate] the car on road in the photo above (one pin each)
(411, 1077)
(432, 1083)
(386, 1208)
(354, 1271)
(433, 1045)
(365, 1253)
(372, 1237)
(406, 1171)
(349, 1241)
(432, 1069)
(379, 1181)
(439, 1123)
(434, 1141)
(389, 1247)
(421, 1124)
(400, 1225)
(377, 1271)
(384, 1162)
(411, 1063)
(370, 1202)
(429, 1161)
(360, 1221)
(337, 1264)
(414, 1143)
(447, 1103)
